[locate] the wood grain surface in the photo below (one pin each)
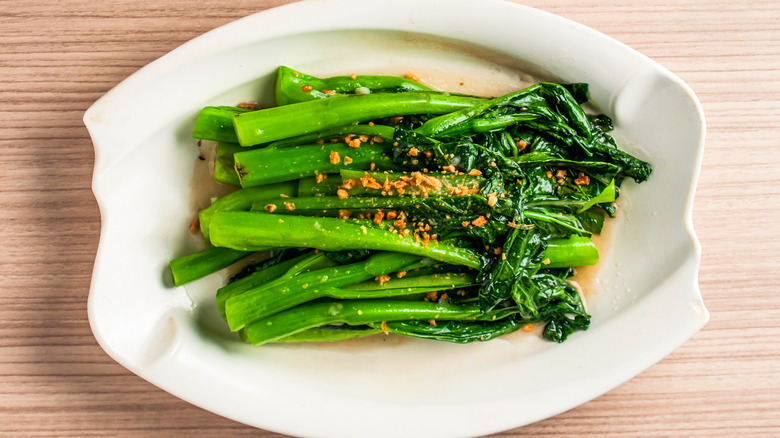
(57, 58)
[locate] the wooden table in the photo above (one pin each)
(56, 58)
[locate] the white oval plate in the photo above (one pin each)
(647, 300)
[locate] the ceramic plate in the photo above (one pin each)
(645, 299)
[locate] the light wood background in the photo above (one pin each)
(56, 58)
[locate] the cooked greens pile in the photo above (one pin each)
(390, 207)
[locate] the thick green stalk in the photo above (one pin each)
(254, 280)
(243, 200)
(271, 124)
(313, 262)
(274, 298)
(290, 85)
(570, 252)
(482, 125)
(352, 312)
(434, 183)
(404, 286)
(325, 203)
(554, 95)
(285, 292)
(225, 166)
(443, 123)
(328, 185)
(202, 263)
(216, 123)
(266, 166)
(331, 334)
(247, 230)
(382, 131)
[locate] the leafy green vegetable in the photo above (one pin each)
(433, 215)
(294, 86)
(257, 127)
(197, 265)
(216, 123)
